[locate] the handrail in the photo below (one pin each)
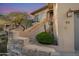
(32, 29)
(37, 25)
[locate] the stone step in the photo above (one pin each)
(40, 49)
(15, 52)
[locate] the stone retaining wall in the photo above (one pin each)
(20, 46)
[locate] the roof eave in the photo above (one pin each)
(38, 10)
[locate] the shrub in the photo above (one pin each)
(3, 44)
(1, 29)
(45, 38)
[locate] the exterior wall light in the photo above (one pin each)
(69, 13)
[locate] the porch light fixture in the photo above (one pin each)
(69, 13)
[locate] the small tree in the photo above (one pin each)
(19, 19)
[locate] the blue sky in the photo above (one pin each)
(19, 7)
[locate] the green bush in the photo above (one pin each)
(45, 38)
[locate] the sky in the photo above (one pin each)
(6, 8)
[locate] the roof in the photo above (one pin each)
(38, 10)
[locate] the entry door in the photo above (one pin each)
(76, 28)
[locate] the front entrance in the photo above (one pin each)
(76, 28)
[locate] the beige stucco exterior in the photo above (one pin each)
(62, 31)
(43, 11)
(42, 14)
(65, 31)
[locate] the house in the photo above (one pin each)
(40, 13)
(65, 24)
(66, 27)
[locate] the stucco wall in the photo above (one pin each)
(41, 15)
(64, 31)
